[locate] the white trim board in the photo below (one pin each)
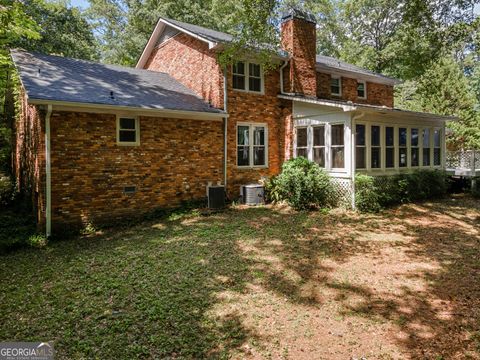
(114, 109)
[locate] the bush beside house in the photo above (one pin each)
(373, 193)
(302, 184)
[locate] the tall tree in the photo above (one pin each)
(63, 30)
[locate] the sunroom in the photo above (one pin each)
(346, 138)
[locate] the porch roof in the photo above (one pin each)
(349, 106)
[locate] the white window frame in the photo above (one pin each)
(379, 146)
(440, 147)
(307, 147)
(415, 147)
(430, 156)
(137, 130)
(406, 146)
(364, 89)
(329, 165)
(251, 145)
(389, 147)
(247, 78)
(328, 144)
(361, 146)
(324, 146)
(339, 78)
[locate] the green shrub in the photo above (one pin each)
(272, 190)
(303, 184)
(37, 240)
(398, 189)
(7, 190)
(366, 194)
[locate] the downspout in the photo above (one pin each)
(48, 169)
(352, 157)
(225, 127)
(281, 77)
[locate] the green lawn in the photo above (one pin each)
(261, 282)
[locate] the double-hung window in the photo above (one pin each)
(336, 86)
(252, 145)
(360, 147)
(247, 76)
(128, 132)
(414, 147)
(402, 147)
(376, 147)
(389, 147)
(337, 147)
(426, 147)
(319, 145)
(361, 89)
(302, 142)
(437, 148)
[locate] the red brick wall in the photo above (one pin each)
(258, 108)
(377, 94)
(191, 62)
(90, 171)
(29, 156)
(299, 39)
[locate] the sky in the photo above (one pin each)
(80, 3)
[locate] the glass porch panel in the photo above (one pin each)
(319, 156)
(338, 157)
(360, 158)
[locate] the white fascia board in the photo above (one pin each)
(156, 34)
(114, 109)
(344, 107)
(211, 44)
(150, 45)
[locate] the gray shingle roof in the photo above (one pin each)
(208, 34)
(48, 77)
(340, 65)
(330, 62)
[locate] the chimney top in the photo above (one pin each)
(298, 14)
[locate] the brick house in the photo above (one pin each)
(97, 143)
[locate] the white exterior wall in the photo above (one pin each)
(308, 115)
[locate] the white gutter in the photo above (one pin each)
(281, 77)
(225, 125)
(48, 170)
(105, 108)
(352, 156)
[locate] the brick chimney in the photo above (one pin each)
(299, 40)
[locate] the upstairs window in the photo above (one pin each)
(252, 143)
(336, 86)
(361, 89)
(247, 77)
(127, 131)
